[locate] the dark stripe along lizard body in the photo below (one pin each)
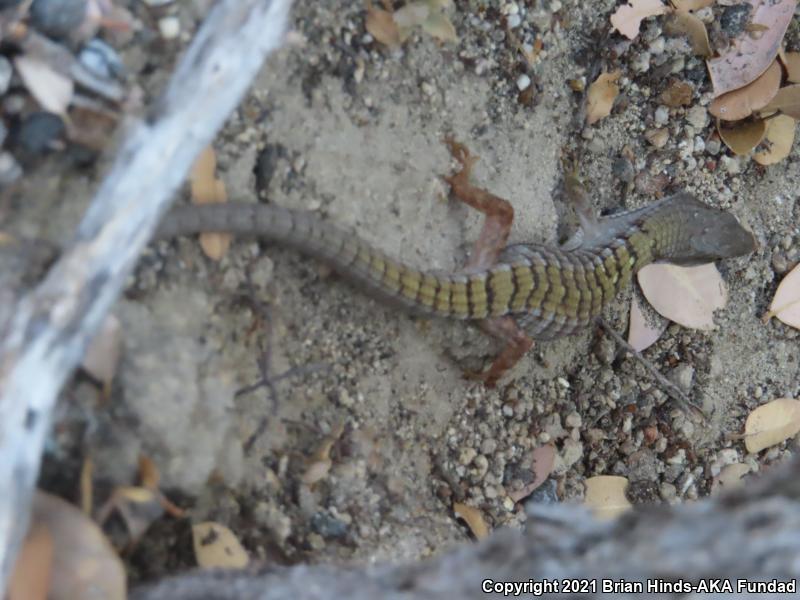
(551, 291)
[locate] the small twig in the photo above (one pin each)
(672, 390)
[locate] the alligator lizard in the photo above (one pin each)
(519, 292)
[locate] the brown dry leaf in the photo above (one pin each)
(687, 295)
(741, 103)
(780, 137)
(207, 189)
(786, 302)
(684, 5)
(641, 333)
(730, 477)
(771, 423)
(102, 356)
(684, 23)
(30, 579)
(747, 57)
(52, 90)
(216, 546)
(605, 496)
(791, 60)
(628, 17)
(787, 101)
(677, 93)
(85, 566)
(601, 95)
(381, 25)
(744, 136)
(543, 459)
(473, 518)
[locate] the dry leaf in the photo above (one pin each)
(628, 17)
(771, 423)
(543, 459)
(684, 5)
(216, 546)
(605, 495)
(474, 519)
(601, 96)
(791, 60)
(780, 137)
(439, 26)
(641, 333)
(85, 566)
(744, 136)
(207, 189)
(684, 23)
(381, 25)
(102, 355)
(30, 579)
(411, 15)
(52, 90)
(741, 103)
(687, 295)
(748, 57)
(730, 477)
(787, 101)
(786, 302)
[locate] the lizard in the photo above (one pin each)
(517, 293)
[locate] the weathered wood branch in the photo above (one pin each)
(46, 338)
(752, 534)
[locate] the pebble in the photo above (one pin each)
(713, 146)
(58, 18)
(661, 116)
(730, 164)
(657, 137)
(38, 131)
(169, 27)
(6, 71)
(10, 171)
(697, 117)
(523, 82)
(101, 59)
(641, 63)
(622, 168)
(514, 21)
(779, 263)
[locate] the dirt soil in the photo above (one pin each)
(370, 433)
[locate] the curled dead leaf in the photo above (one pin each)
(543, 459)
(677, 93)
(785, 304)
(473, 518)
(601, 95)
(771, 423)
(605, 496)
(216, 546)
(791, 60)
(779, 137)
(742, 137)
(786, 100)
(685, 23)
(628, 18)
(741, 103)
(749, 56)
(687, 295)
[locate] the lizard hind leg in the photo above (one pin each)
(499, 214)
(517, 344)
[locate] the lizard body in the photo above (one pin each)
(554, 290)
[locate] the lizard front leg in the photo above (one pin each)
(499, 215)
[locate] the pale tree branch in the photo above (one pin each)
(51, 326)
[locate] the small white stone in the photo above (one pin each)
(513, 21)
(523, 82)
(169, 27)
(662, 115)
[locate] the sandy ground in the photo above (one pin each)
(343, 127)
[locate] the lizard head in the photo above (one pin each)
(709, 234)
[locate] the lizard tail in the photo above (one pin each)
(352, 257)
